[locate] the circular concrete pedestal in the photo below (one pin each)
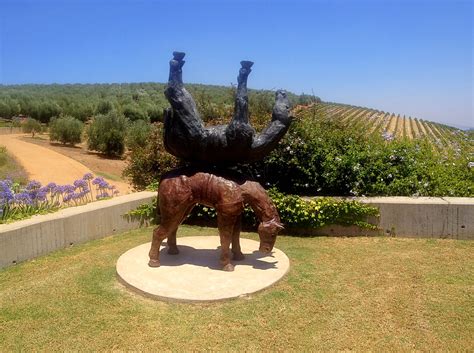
(195, 273)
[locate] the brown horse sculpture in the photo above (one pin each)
(180, 192)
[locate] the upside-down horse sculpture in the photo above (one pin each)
(186, 137)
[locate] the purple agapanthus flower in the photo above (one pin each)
(68, 189)
(58, 189)
(23, 198)
(6, 183)
(41, 196)
(51, 186)
(80, 183)
(6, 194)
(100, 182)
(88, 176)
(97, 180)
(33, 185)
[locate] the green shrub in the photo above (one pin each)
(148, 162)
(65, 129)
(134, 112)
(106, 134)
(294, 212)
(322, 157)
(104, 107)
(138, 134)
(32, 126)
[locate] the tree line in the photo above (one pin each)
(135, 101)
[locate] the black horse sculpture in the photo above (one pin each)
(186, 137)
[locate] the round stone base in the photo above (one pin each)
(195, 274)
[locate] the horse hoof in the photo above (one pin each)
(238, 257)
(173, 251)
(228, 268)
(154, 263)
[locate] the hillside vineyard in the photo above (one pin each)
(390, 126)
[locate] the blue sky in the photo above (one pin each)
(408, 57)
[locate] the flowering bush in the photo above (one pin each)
(321, 157)
(18, 202)
(294, 212)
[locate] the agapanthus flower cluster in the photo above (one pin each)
(104, 189)
(387, 136)
(17, 202)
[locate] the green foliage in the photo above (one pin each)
(103, 107)
(145, 212)
(65, 129)
(134, 112)
(16, 122)
(106, 134)
(305, 99)
(9, 108)
(322, 157)
(209, 110)
(146, 100)
(294, 211)
(32, 126)
(138, 133)
(149, 161)
(46, 110)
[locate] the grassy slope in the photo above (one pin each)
(341, 293)
(10, 168)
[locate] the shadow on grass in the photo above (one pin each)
(210, 258)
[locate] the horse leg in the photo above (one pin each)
(172, 246)
(236, 251)
(226, 223)
(171, 217)
(159, 234)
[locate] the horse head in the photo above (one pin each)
(268, 231)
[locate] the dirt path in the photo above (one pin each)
(45, 165)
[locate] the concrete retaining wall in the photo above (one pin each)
(43, 234)
(425, 217)
(410, 217)
(399, 217)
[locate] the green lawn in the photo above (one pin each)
(341, 293)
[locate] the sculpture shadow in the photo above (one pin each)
(210, 258)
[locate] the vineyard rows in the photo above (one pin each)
(391, 126)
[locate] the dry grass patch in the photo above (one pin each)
(10, 168)
(341, 293)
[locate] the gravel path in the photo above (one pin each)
(45, 165)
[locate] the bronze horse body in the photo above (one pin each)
(180, 192)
